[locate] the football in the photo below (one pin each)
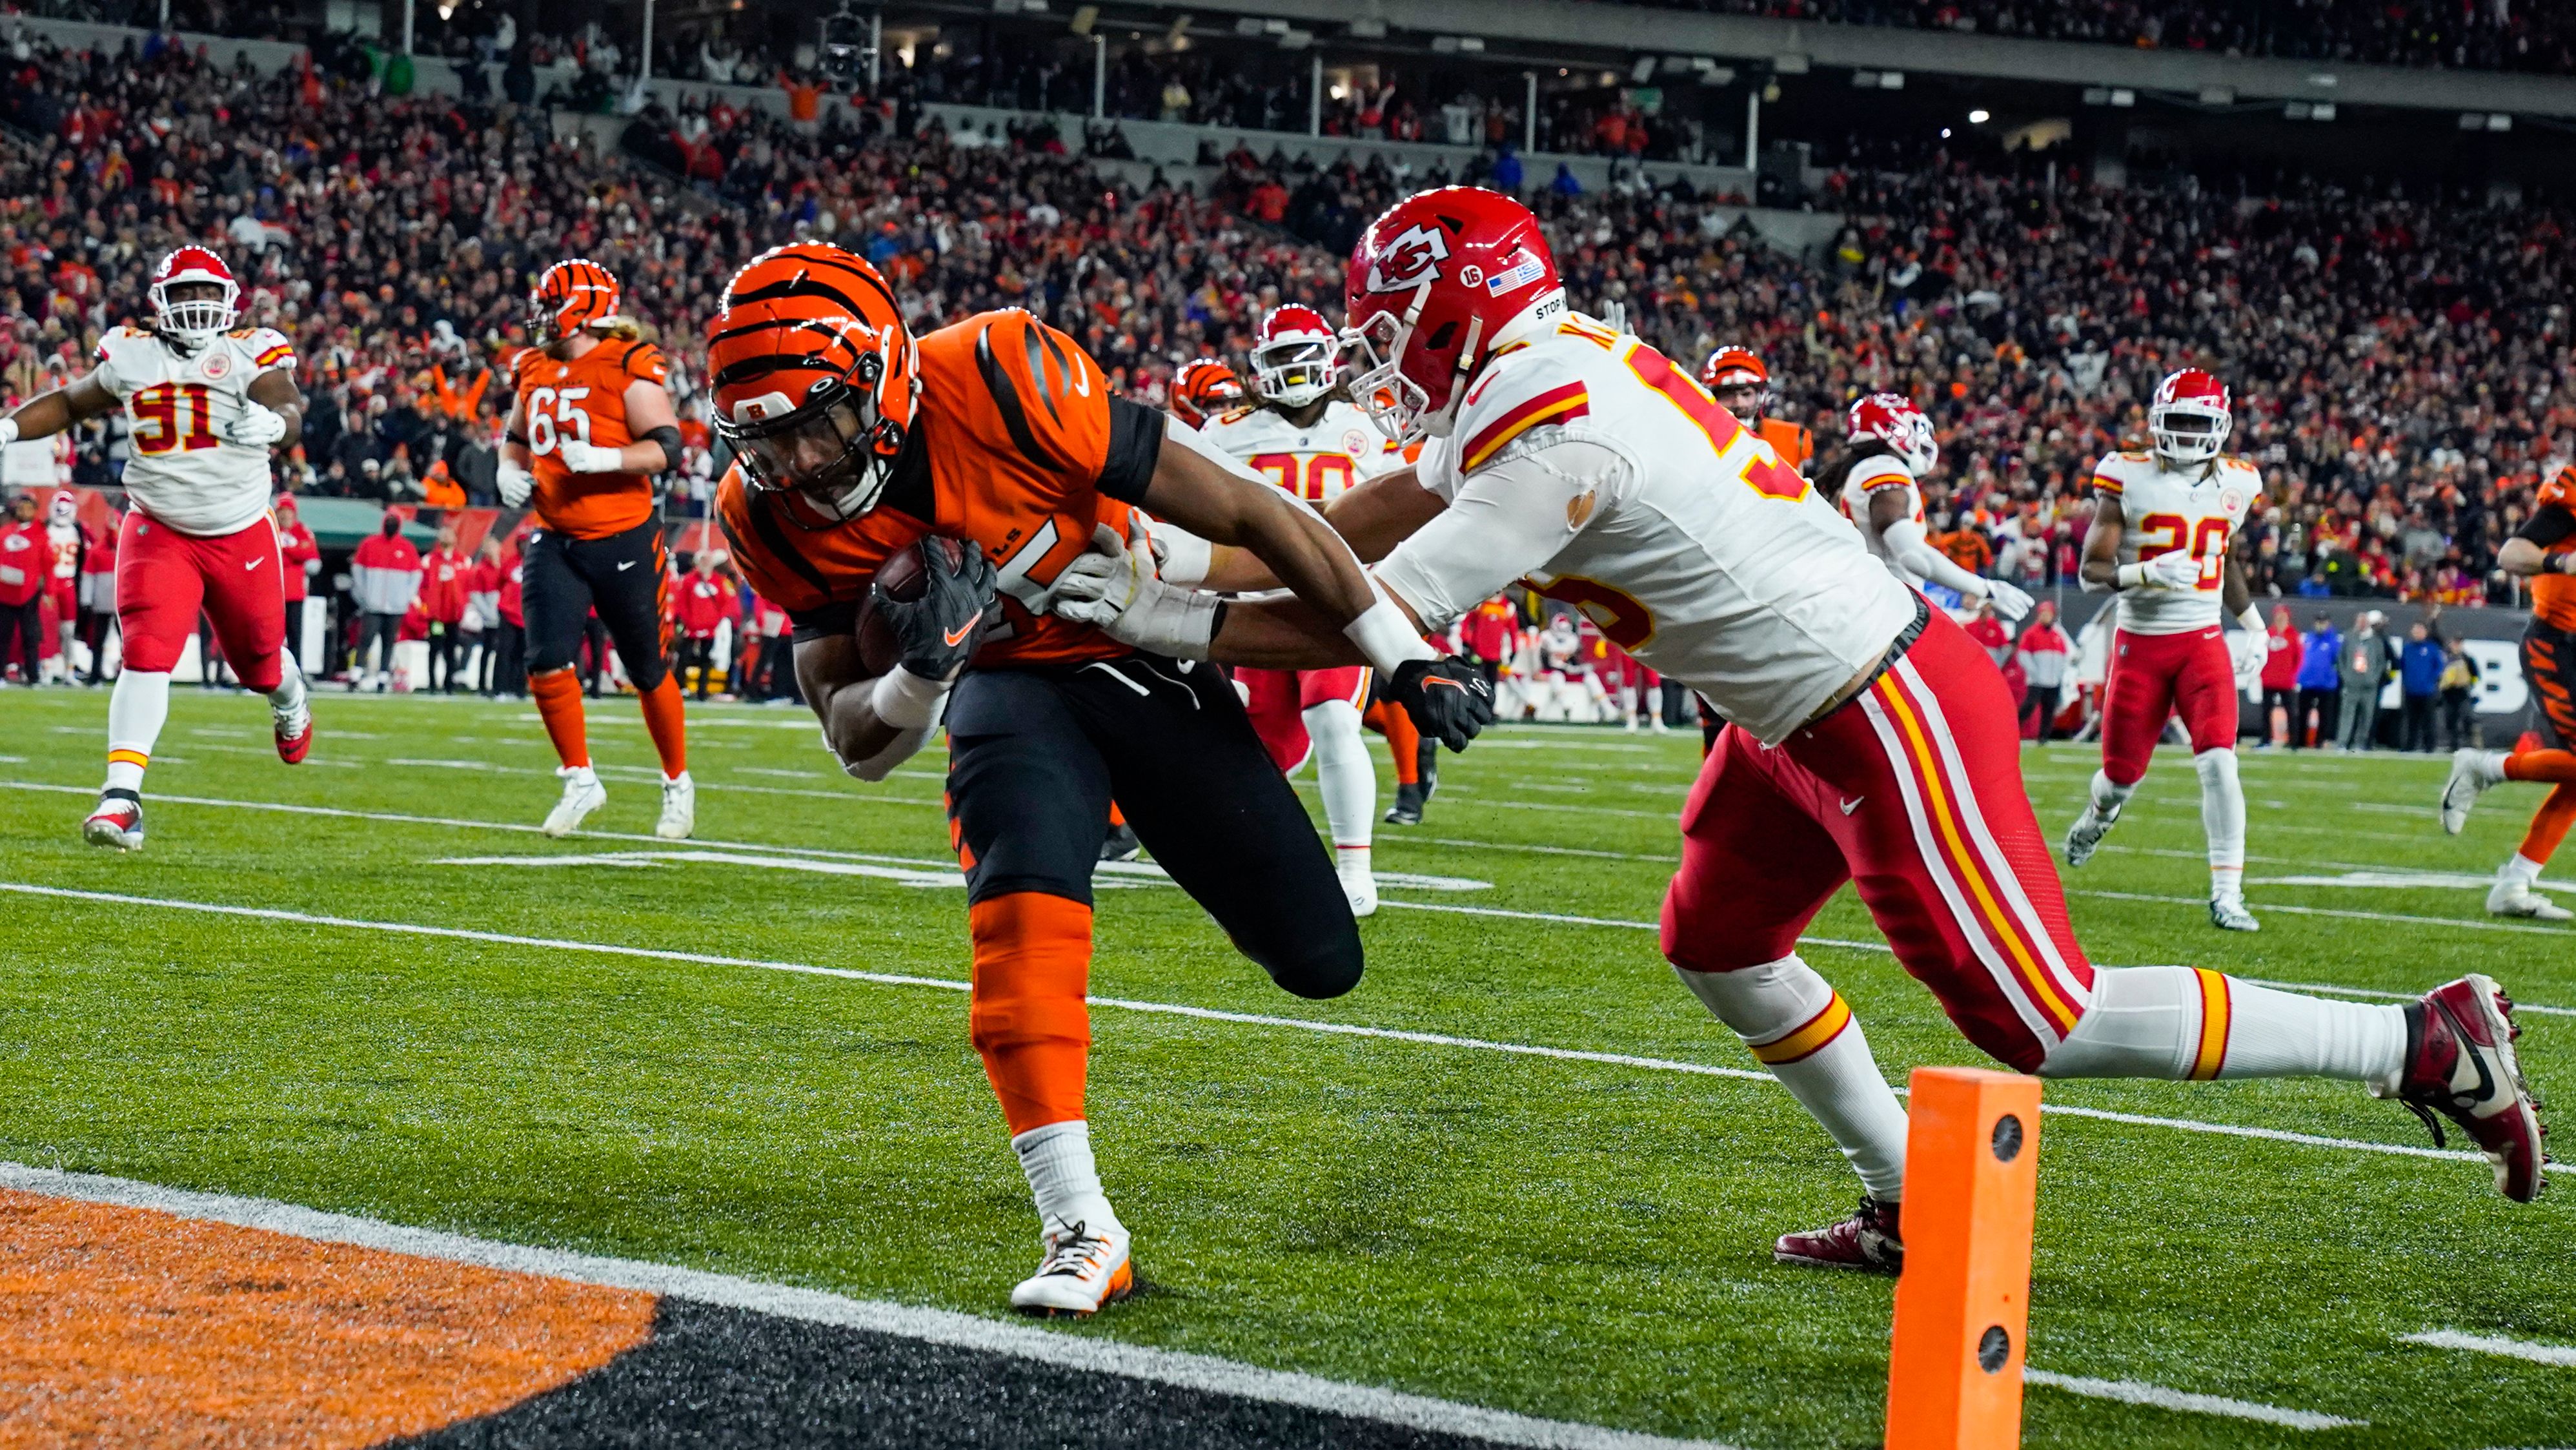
(903, 575)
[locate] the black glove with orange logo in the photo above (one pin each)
(1447, 698)
(949, 605)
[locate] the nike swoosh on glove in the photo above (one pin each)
(1447, 698)
(935, 634)
(258, 426)
(583, 457)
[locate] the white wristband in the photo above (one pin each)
(905, 700)
(1388, 638)
(8, 431)
(2251, 621)
(2132, 576)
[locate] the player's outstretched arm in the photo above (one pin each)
(1372, 517)
(841, 692)
(1890, 512)
(1289, 540)
(47, 414)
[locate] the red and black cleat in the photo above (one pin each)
(1867, 1242)
(294, 730)
(2460, 1064)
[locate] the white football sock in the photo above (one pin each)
(136, 709)
(1062, 1177)
(2222, 816)
(1803, 1031)
(2182, 1023)
(290, 685)
(2109, 796)
(1344, 774)
(2523, 869)
(2490, 767)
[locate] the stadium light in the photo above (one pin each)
(2123, 97)
(2500, 121)
(1979, 118)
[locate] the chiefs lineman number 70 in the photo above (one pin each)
(2162, 525)
(207, 403)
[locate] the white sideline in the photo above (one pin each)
(2131, 1392)
(905, 1321)
(1205, 1014)
(2558, 1355)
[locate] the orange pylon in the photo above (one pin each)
(1963, 1303)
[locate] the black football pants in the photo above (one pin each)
(1036, 754)
(620, 575)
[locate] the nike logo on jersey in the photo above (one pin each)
(250, 565)
(955, 637)
(626, 565)
(1853, 804)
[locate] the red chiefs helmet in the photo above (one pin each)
(194, 319)
(1296, 359)
(572, 295)
(1436, 284)
(2189, 418)
(1204, 389)
(1893, 419)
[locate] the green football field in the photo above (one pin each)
(1583, 1236)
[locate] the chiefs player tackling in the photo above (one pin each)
(206, 403)
(1307, 438)
(1870, 740)
(2162, 524)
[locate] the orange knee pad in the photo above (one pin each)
(1028, 1019)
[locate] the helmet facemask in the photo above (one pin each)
(2188, 430)
(195, 310)
(827, 459)
(1295, 371)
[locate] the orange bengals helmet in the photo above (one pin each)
(570, 296)
(1734, 368)
(1204, 389)
(815, 380)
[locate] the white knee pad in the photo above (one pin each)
(1762, 1002)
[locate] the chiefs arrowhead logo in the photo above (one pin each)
(1409, 260)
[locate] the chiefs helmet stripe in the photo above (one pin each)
(1006, 398)
(1556, 405)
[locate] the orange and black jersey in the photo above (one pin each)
(1017, 447)
(585, 399)
(1793, 442)
(2553, 527)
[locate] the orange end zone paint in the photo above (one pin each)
(1963, 1303)
(128, 1327)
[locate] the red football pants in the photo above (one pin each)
(1912, 792)
(164, 577)
(2154, 676)
(1279, 700)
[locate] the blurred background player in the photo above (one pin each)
(589, 428)
(1742, 386)
(2545, 553)
(1305, 436)
(1205, 390)
(206, 403)
(2163, 523)
(1888, 450)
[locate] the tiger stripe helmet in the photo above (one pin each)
(1734, 366)
(1204, 389)
(570, 296)
(815, 378)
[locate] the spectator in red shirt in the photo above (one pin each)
(510, 677)
(302, 559)
(1990, 634)
(483, 611)
(2281, 674)
(98, 592)
(2045, 655)
(704, 602)
(442, 598)
(384, 582)
(26, 557)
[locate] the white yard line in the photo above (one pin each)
(2558, 1356)
(2459, 923)
(1171, 1009)
(2131, 1392)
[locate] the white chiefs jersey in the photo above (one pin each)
(185, 470)
(1598, 469)
(2197, 508)
(1316, 463)
(1872, 476)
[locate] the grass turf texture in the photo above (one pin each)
(1578, 1240)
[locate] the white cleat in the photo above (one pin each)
(2087, 833)
(117, 824)
(2228, 913)
(2471, 775)
(1082, 1271)
(1359, 884)
(2516, 898)
(582, 794)
(679, 808)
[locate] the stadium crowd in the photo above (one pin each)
(2398, 363)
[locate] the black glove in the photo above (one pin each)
(1447, 698)
(936, 633)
